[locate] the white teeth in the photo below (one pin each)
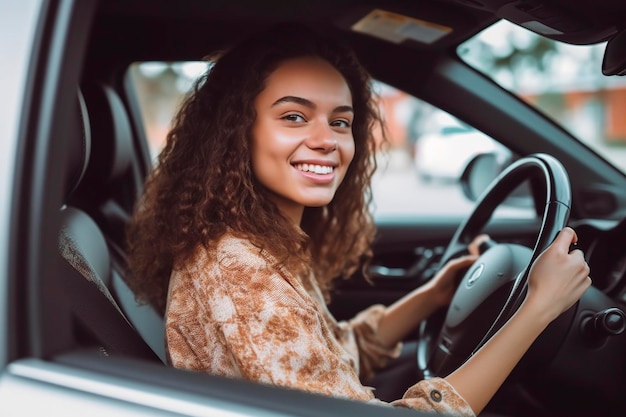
(317, 169)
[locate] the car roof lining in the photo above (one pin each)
(158, 30)
(168, 24)
(581, 21)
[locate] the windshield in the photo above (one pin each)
(561, 80)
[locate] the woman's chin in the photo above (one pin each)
(317, 202)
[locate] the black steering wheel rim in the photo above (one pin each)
(552, 195)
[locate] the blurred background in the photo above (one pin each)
(428, 148)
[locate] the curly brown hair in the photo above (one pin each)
(203, 185)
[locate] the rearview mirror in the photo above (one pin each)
(614, 61)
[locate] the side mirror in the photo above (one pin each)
(480, 173)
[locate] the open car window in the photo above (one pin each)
(419, 167)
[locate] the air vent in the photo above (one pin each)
(597, 203)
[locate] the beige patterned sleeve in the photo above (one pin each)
(435, 394)
(373, 354)
(438, 395)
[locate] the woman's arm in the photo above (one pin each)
(557, 280)
(405, 314)
(236, 317)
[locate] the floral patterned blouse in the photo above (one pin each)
(229, 313)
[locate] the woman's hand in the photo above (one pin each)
(404, 315)
(442, 287)
(474, 246)
(558, 277)
(557, 280)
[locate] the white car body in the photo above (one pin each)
(444, 154)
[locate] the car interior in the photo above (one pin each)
(89, 157)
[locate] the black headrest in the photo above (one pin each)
(112, 144)
(79, 147)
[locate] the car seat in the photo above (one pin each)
(98, 317)
(108, 192)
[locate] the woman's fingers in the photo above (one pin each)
(559, 277)
(462, 262)
(566, 237)
(446, 277)
(474, 246)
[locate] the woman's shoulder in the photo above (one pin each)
(224, 259)
(237, 267)
(232, 251)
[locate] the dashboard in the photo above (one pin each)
(604, 244)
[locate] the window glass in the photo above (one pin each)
(563, 81)
(418, 171)
(160, 87)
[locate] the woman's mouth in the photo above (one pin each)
(315, 169)
(316, 174)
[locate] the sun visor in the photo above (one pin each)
(397, 28)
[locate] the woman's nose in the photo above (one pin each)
(322, 138)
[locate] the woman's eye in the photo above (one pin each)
(295, 118)
(341, 123)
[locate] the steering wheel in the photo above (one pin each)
(495, 285)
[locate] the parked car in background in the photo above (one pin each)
(444, 154)
(81, 125)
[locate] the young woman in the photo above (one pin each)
(260, 199)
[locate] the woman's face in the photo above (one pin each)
(302, 140)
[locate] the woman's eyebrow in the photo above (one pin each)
(308, 103)
(293, 99)
(343, 109)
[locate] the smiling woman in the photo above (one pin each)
(260, 200)
(249, 224)
(419, 167)
(302, 142)
(247, 308)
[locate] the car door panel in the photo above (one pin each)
(84, 382)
